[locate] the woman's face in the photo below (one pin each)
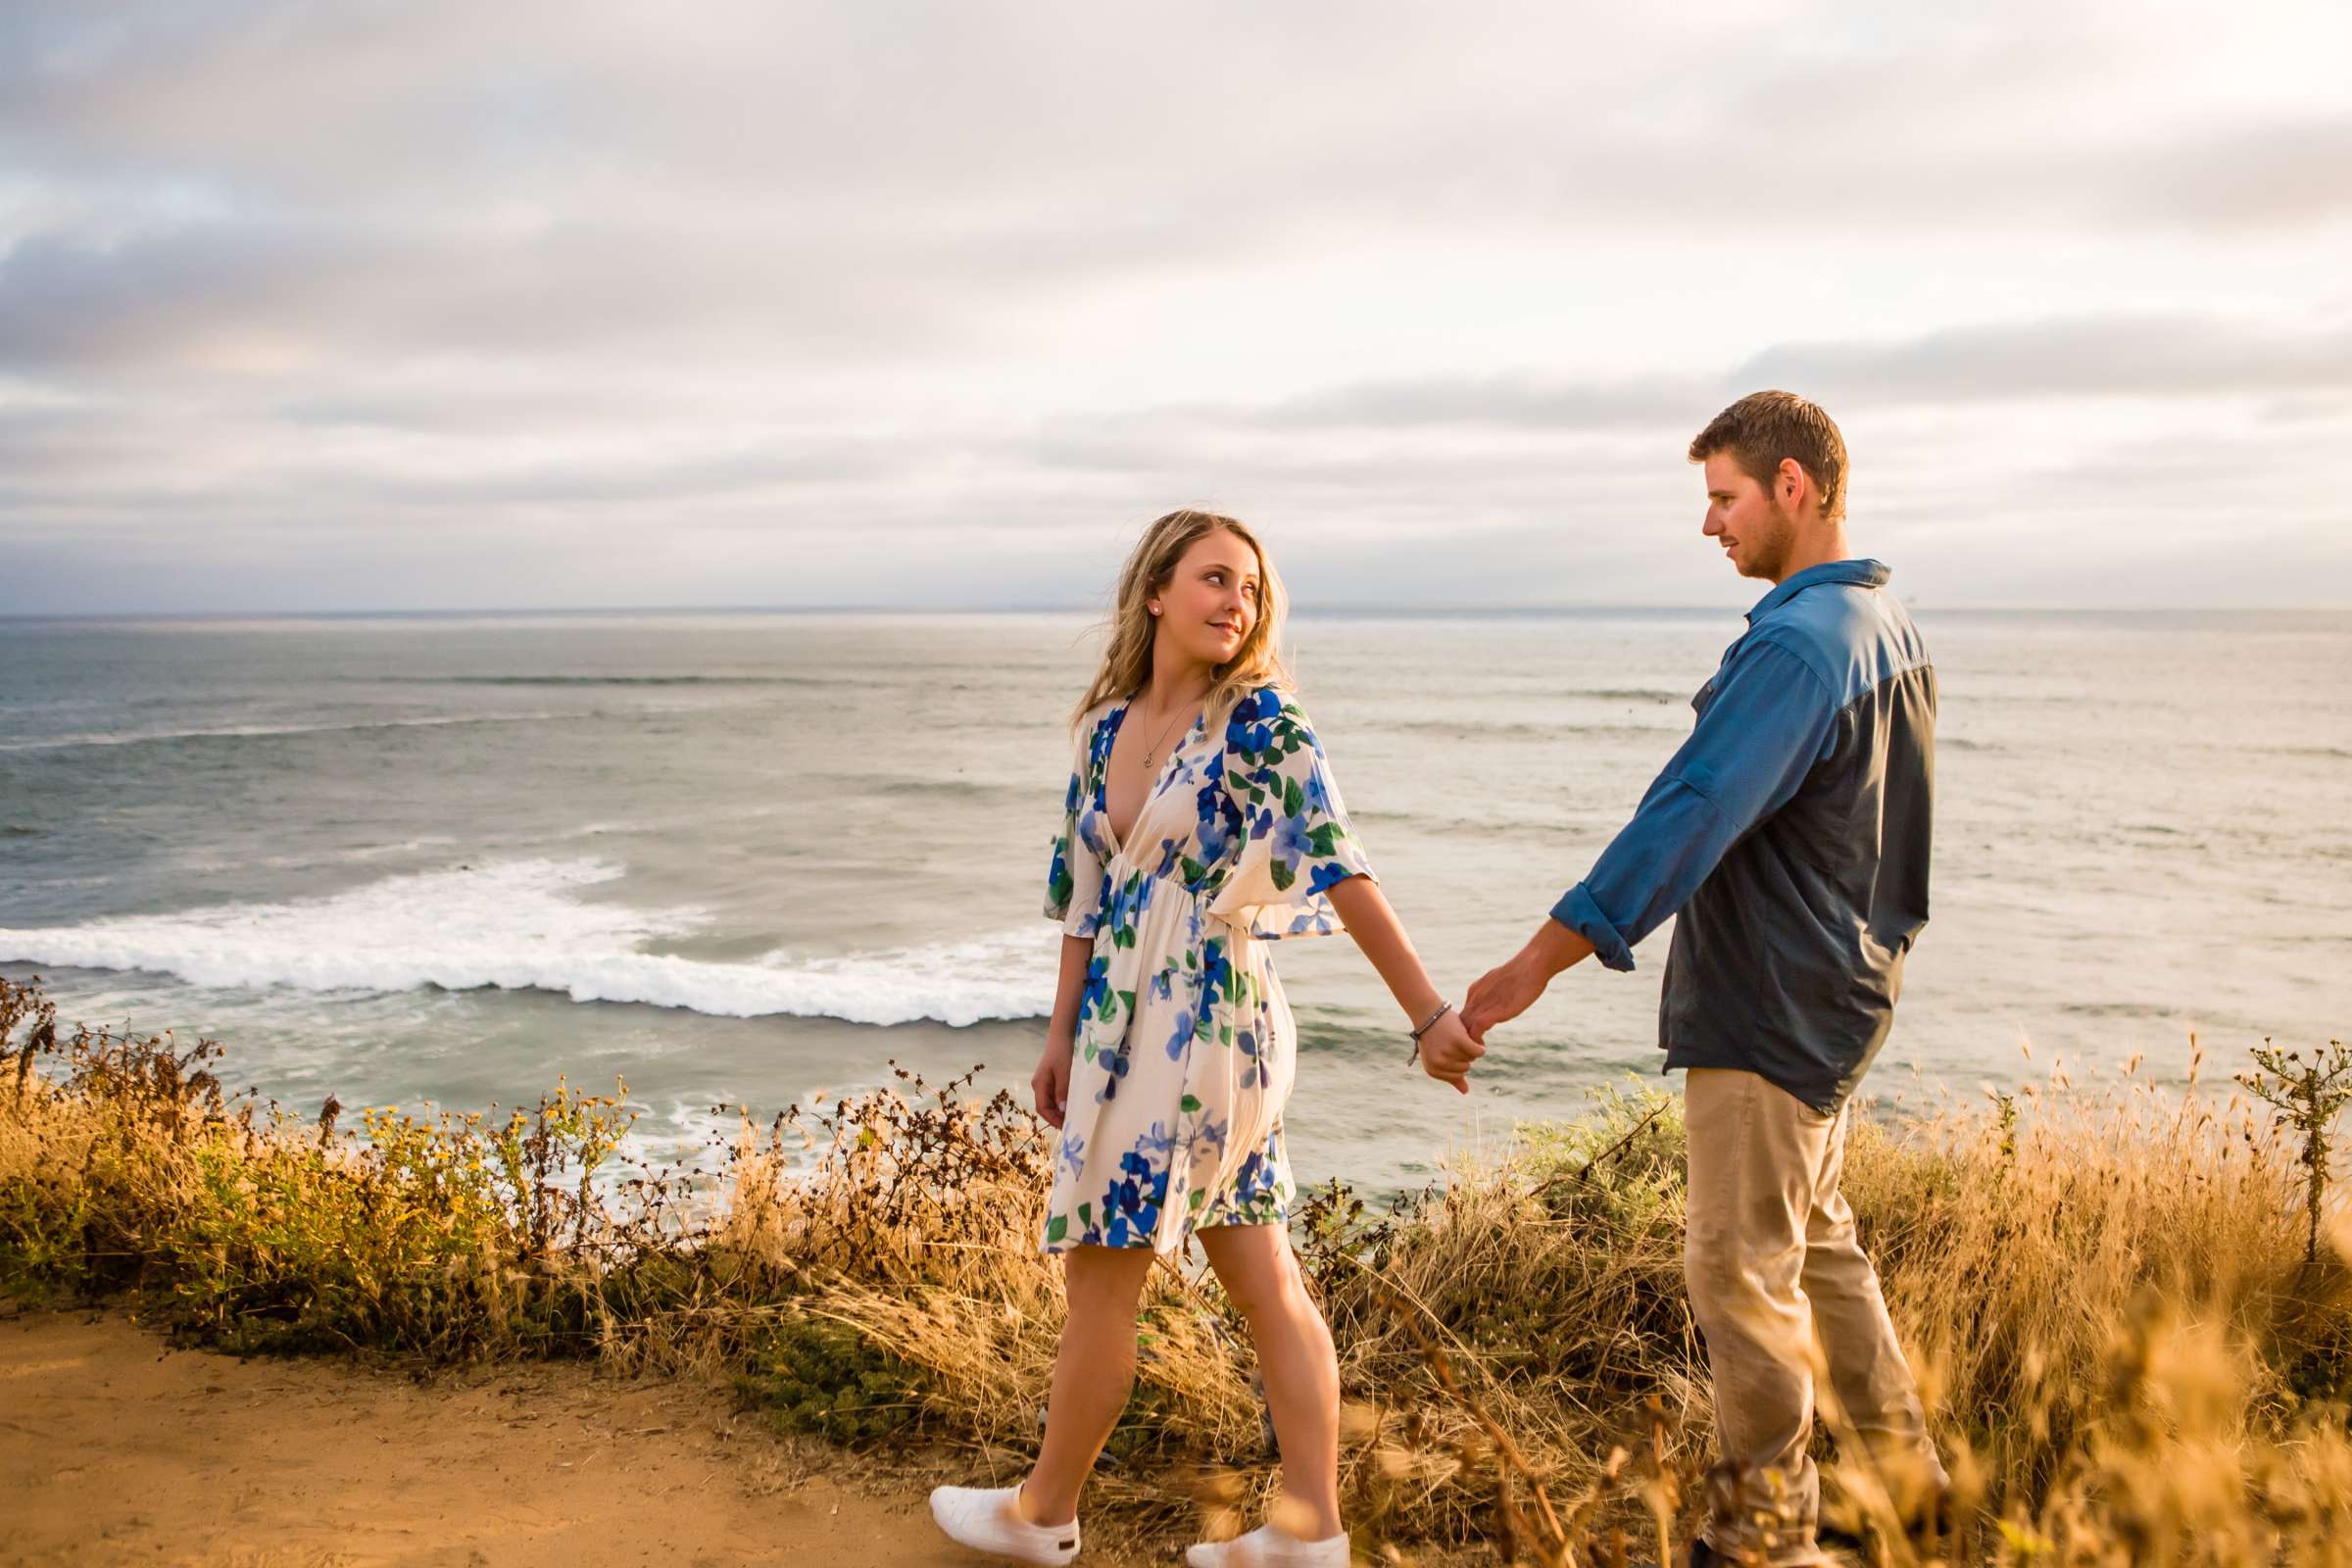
(1209, 605)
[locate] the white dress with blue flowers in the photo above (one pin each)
(1185, 1047)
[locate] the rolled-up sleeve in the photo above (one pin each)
(1770, 721)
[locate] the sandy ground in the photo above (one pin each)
(116, 1448)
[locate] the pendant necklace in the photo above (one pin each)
(1152, 749)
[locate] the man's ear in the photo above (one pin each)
(1790, 481)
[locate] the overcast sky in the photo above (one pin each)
(446, 304)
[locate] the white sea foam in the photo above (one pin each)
(59, 743)
(521, 925)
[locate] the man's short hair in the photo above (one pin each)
(1763, 427)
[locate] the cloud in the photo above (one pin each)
(2184, 356)
(963, 290)
(2090, 357)
(256, 298)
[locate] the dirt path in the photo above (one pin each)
(116, 1448)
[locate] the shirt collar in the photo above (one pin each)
(1863, 573)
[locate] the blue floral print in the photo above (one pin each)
(1238, 843)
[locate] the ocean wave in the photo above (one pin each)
(1631, 694)
(2149, 1011)
(521, 925)
(953, 786)
(1469, 729)
(1558, 825)
(53, 743)
(378, 851)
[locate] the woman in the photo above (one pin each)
(1202, 822)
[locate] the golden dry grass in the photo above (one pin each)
(2127, 1355)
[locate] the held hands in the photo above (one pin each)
(1510, 989)
(1506, 991)
(1051, 1083)
(1448, 1050)
(1502, 995)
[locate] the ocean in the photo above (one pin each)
(743, 858)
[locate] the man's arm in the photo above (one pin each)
(1769, 722)
(1506, 992)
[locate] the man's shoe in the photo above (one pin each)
(1936, 1513)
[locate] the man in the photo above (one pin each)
(1790, 835)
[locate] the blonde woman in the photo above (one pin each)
(1201, 824)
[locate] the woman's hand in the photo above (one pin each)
(1448, 1050)
(1051, 1083)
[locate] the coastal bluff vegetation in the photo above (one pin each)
(2129, 1304)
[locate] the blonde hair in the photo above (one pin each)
(1127, 652)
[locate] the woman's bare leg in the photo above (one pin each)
(1253, 1263)
(1094, 1371)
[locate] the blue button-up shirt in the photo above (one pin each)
(1768, 832)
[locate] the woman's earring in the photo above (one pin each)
(1154, 609)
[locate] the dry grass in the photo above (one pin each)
(2129, 1358)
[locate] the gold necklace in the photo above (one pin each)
(1152, 749)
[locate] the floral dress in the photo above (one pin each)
(1185, 1047)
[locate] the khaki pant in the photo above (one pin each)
(1771, 1260)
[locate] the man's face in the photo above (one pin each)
(1754, 529)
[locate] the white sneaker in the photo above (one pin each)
(986, 1519)
(1268, 1547)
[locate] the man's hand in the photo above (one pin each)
(1448, 1050)
(1503, 994)
(1051, 1083)
(1511, 988)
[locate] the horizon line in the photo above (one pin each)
(1317, 612)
